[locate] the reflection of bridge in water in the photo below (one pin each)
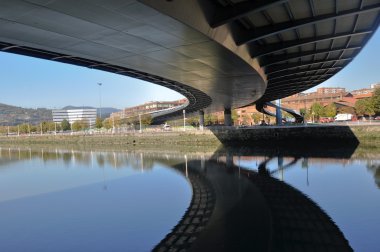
(233, 208)
(254, 212)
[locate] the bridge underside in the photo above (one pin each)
(218, 53)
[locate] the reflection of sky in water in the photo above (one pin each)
(35, 177)
(345, 189)
(81, 205)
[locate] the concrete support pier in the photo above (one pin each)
(278, 113)
(227, 117)
(201, 119)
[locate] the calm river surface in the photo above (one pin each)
(69, 200)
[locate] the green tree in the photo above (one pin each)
(77, 126)
(65, 125)
(146, 119)
(116, 121)
(365, 107)
(57, 126)
(317, 110)
(245, 118)
(329, 110)
(107, 123)
(256, 117)
(85, 124)
(98, 123)
(376, 100)
(192, 120)
(51, 126)
(33, 128)
(3, 130)
(305, 113)
(361, 107)
(24, 129)
(131, 120)
(269, 119)
(346, 110)
(45, 126)
(210, 119)
(80, 125)
(234, 116)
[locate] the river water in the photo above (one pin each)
(228, 199)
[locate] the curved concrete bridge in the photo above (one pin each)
(219, 54)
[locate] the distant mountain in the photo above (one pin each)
(76, 107)
(106, 111)
(13, 115)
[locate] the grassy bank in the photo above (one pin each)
(368, 135)
(186, 141)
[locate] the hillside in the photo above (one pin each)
(12, 115)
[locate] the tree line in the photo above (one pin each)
(369, 106)
(81, 125)
(363, 107)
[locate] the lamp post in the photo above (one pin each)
(184, 120)
(100, 100)
(140, 123)
(113, 125)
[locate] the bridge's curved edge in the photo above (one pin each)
(299, 118)
(261, 108)
(197, 99)
(196, 217)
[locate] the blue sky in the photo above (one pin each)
(30, 82)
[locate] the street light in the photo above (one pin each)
(140, 123)
(100, 100)
(113, 125)
(184, 120)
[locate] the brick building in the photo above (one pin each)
(324, 96)
(147, 108)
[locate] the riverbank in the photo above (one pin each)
(182, 142)
(209, 138)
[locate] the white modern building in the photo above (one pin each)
(375, 85)
(73, 115)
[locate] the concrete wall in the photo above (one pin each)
(287, 135)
